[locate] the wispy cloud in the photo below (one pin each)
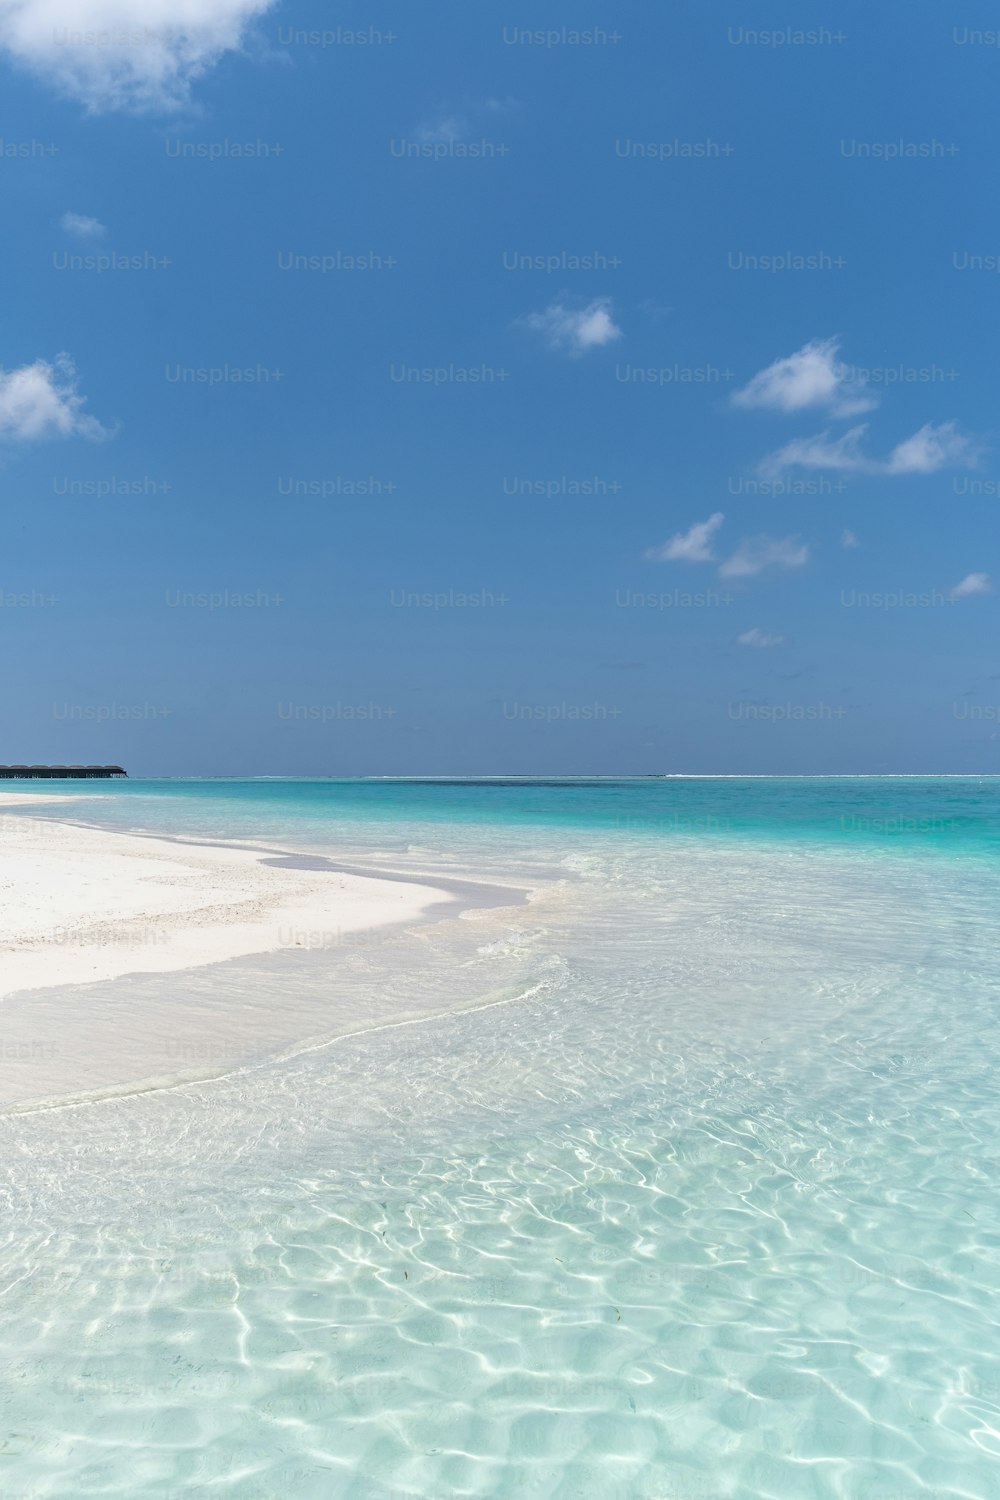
(82, 225)
(457, 124)
(694, 545)
(575, 331)
(757, 553)
(819, 452)
(759, 638)
(138, 55)
(446, 128)
(754, 554)
(849, 540)
(927, 450)
(972, 584)
(508, 105)
(41, 401)
(813, 376)
(930, 449)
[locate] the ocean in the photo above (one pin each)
(674, 1181)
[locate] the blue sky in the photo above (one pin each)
(462, 401)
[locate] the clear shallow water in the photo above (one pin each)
(698, 1202)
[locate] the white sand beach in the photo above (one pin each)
(80, 904)
(88, 907)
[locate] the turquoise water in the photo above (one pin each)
(688, 1191)
(951, 809)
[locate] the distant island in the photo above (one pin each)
(58, 773)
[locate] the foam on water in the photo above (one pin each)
(689, 1193)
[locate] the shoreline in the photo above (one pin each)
(91, 918)
(80, 904)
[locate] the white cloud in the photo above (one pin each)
(124, 54)
(972, 583)
(508, 105)
(447, 129)
(755, 553)
(456, 126)
(759, 638)
(929, 449)
(81, 225)
(575, 331)
(814, 376)
(820, 452)
(689, 546)
(848, 539)
(41, 401)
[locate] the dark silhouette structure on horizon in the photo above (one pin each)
(58, 773)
